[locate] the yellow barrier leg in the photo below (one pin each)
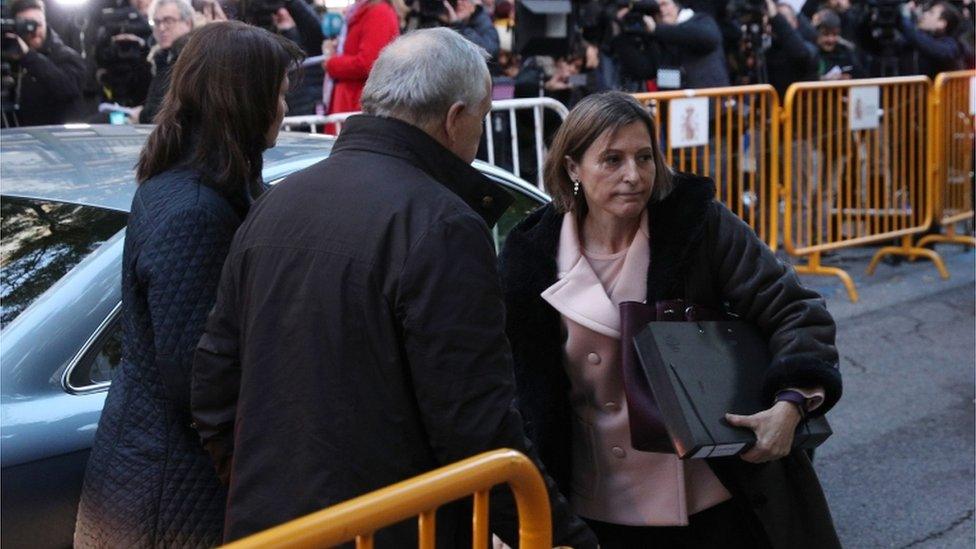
(813, 267)
(911, 252)
(949, 238)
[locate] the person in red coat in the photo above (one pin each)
(370, 25)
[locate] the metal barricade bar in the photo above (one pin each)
(536, 104)
(420, 496)
(854, 169)
(951, 155)
(730, 134)
(314, 121)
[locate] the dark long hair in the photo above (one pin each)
(221, 101)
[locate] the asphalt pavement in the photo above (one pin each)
(899, 470)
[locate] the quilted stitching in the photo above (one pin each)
(149, 482)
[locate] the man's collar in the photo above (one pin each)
(397, 138)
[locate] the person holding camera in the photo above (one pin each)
(932, 43)
(691, 47)
(789, 58)
(121, 53)
(635, 51)
(50, 74)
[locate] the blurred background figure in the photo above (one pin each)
(369, 26)
(45, 77)
(171, 20)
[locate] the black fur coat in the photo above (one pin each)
(703, 253)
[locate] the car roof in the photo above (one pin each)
(94, 165)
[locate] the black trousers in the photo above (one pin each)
(723, 526)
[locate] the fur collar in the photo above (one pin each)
(677, 223)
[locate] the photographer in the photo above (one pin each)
(932, 44)
(633, 46)
(50, 74)
(691, 48)
(789, 58)
(172, 20)
(121, 53)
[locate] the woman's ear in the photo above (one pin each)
(572, 168)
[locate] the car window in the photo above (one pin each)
(41, 241)
(99, 361)
(523, 205)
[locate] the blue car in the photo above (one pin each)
(64, 198)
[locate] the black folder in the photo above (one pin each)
(698, 371)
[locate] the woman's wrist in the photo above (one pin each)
(794, 400)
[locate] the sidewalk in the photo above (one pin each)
(891, 284)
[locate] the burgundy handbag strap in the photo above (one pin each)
(647, 430)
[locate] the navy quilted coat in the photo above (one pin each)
(149, 482)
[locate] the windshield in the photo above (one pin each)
(40, 241)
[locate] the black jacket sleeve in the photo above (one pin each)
(761, 289)
(60, 72)
(216, 375)
(793, 45)
(308, 25)
(480, 30)
(699, 35)
(154, 97)
(449, 304)
(942, 51)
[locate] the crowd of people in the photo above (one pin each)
(632, 46)
(292, 347)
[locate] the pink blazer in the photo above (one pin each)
(611, 481)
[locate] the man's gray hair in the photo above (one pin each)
(186, 10)
(421, 74)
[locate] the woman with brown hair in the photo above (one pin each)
(149, 481)
(624, 227)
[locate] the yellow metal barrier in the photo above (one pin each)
(855, 154)
(951, 159)
(361, 517)
(735, 141)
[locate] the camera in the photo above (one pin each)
(9, 48)
(116, 21)
(748, 12)
(633, 21)
(883, 17)
(121, 49)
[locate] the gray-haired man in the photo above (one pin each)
(358, 337)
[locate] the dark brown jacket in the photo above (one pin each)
(359, 338)
(701, 252)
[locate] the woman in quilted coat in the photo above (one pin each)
(149, 482)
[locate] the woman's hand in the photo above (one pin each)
(774, 430)
(328, 50)
(212, 11)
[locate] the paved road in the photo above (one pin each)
(899, 470)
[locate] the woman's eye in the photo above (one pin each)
(646, 158)
(611, 160)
